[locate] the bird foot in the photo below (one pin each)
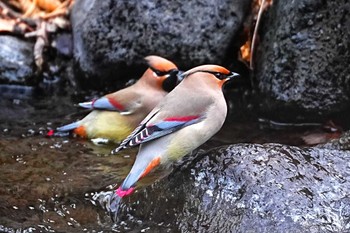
(122, 193)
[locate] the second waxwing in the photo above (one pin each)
(116, 115)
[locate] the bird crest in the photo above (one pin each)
(218, 71)
(159, 65)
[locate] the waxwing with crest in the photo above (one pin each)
(186, 118)
(115, 115)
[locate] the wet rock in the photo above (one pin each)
(64, 44)
(249, 188)
(342, 144)
(16, 60)
(111, 36)
(15, 91)
(302, 59)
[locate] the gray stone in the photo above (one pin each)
(16, 60)
(302, 61)
(110, 36)
(249, 188)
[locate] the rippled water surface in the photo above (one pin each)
(63, 184)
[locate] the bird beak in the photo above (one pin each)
(230, 77)
(180, 77)
(171, 81)
(233, 74)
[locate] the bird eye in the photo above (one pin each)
(160, 73)
(220, 75)
(157, 72)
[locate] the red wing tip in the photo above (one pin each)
(50, 133)
(53, 133)
(116, 104)
(182, 118)
(122, 193)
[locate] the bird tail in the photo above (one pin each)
(131, 180)
(139, 170)
(53, 133)
(69, 127)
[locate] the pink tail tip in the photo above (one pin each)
(122, 193)
(50, 133)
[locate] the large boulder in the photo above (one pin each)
(16, 61)
(303, 57)
(112, 36)
(249, 188)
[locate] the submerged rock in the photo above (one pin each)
(302, 60)
(249, 188)
(15, 91)
(111, 36)
(16, 60)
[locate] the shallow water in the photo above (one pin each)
(64, 184)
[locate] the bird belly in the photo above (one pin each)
(186, 140)
(107, 124)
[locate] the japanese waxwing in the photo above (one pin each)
(116, 115)
(186, 118)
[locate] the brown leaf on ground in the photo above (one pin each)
(319, 138)
(48, 5)
(251, 30)
(46, 16)
(13, 26)
(329, 132)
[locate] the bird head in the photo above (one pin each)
(162, 73)
(220, 74)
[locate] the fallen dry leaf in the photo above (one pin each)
(47, 16)
(247, 50)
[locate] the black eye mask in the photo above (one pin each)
(160, 73)
(171, 81)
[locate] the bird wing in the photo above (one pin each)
(165, 119)
(150, 130)
(125, 102)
